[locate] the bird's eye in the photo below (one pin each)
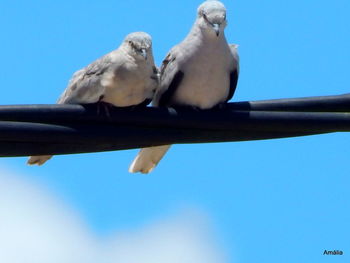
(132, 45)
(206, 19)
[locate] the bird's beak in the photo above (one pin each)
(144, 53)
(216, 28)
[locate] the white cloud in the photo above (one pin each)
(35, 227)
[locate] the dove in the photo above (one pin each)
(124, 77)
(200, 72)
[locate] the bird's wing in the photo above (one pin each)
(85, 85)
(170, 78)
(234, 52)
(234, 72)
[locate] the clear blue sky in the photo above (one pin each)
(269, 201)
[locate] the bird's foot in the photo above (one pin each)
(187, 108)
(141, 105)
(221, 106)
(104, 107)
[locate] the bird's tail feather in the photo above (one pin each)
(148, 158)
(38, 160)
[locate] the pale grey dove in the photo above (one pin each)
(124, 77)
(201, 71)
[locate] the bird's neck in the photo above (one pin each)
(127, 53)
(206, 34)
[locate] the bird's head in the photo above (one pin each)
(212, 17)
(139, 45)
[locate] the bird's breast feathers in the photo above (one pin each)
(208, 80)
(129, 84)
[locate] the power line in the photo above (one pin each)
(64, 129)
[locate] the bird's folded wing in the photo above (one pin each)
(85, 85)
(234, 52)
(168, 71)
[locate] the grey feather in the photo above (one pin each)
(85, 85)
(234, 52)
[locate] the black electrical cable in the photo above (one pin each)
(64, 129)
